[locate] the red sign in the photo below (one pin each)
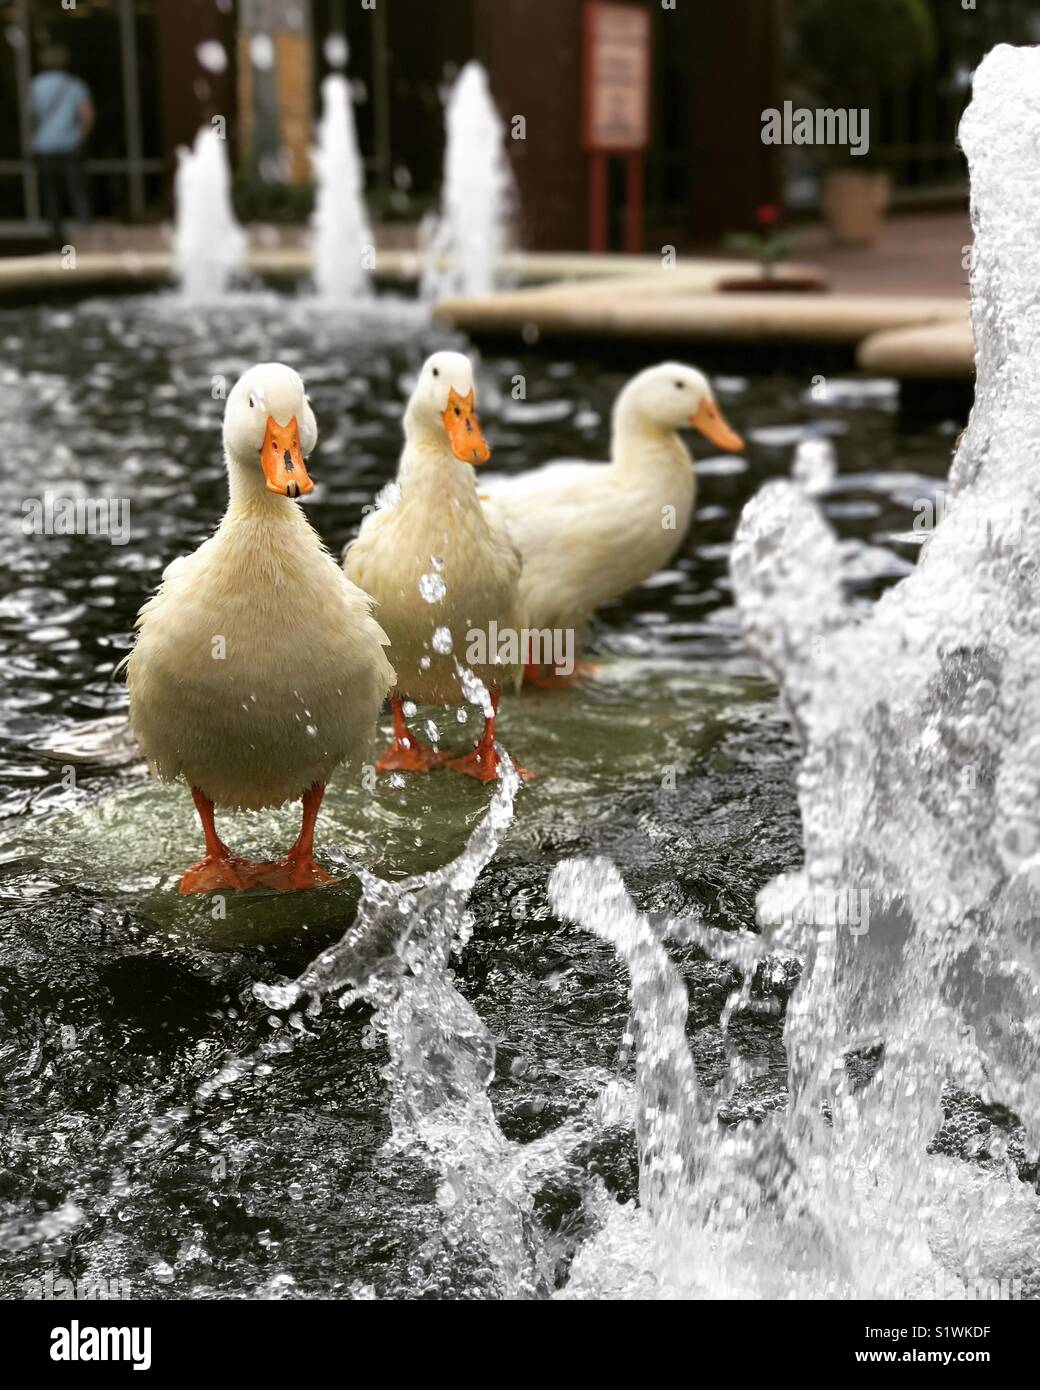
(617, 78)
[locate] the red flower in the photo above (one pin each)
(767, 215)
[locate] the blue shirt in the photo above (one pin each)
(54, 100)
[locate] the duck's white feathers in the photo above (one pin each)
(437, 514)
(588, 532)
(258, 666)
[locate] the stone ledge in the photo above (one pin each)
(930, 352)
(640, 309)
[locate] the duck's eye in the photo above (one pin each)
(436, 371)
(679, 385)
(252, 401)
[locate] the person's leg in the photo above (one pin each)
(76, 187)
(50, 193)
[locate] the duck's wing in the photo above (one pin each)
(543, 503)
(553, 481)
(374, 515)
(171, 569)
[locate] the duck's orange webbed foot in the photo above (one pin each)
(293, 873)
(410, 755)
(222, 869)
(216, 871)
(407, 753)
(218, 868)
(483, 762)
(299, 869)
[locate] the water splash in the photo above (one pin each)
(341, 236)
(914, 917)
(209, 246)
(918, 786)
(700, 1184)
(464, 246)
(396, 957)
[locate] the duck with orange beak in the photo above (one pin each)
(587, 532)
(444, 578)
(258, 667)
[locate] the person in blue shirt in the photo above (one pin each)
(62, 117)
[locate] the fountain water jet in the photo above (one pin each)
(919, 783)
(919, 793)
(209, 246)
(464, 245)
(341, 236)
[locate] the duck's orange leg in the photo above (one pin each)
(298, 869)
(218, 868)
(482, 762)
(556, 680)
(407, 753)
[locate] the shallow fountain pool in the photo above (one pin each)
(120, 1000)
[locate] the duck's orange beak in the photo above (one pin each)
(711, 424)
(282, 460)
(463, 427)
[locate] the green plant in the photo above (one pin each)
(769, 247)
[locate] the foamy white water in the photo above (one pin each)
(209, 246)
(464, 245)
(341, 235)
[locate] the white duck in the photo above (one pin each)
(437, 537)
(258, 666)
(587, 532)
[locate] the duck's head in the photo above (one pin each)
(443, 404)
(676, 396)
(269, 428)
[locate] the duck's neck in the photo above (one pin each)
(250, 501)
(430, 474)
(640, 447)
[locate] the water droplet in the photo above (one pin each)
(432, 588)
(814, 465)
(442, 641)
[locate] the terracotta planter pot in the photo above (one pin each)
(854, 206)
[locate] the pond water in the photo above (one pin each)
(137, 1146)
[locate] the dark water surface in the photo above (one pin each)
(118, 998)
